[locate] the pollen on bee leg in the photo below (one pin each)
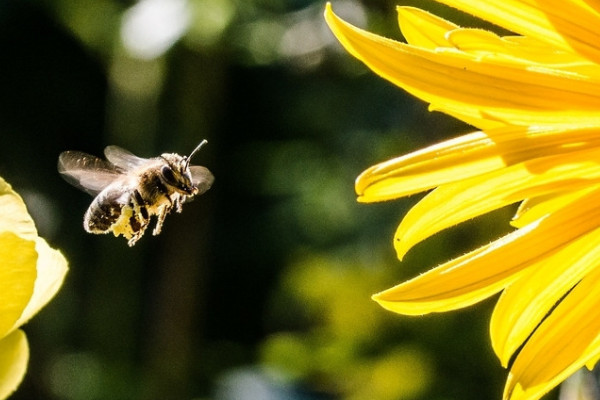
(130, 225)
(122, 226)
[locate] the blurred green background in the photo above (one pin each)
(261, 288)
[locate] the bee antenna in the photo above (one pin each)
(202, 143)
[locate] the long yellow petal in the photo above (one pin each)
(467, 156)
(14, 354)
(526, 301)
(565, 341)
(453, 203)
(460, 282)
(566, 24)
(479, 274)
(460, 158)
(461, 85)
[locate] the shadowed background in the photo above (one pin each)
(261, 288)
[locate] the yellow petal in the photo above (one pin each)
(455, 159)
(541, 206)
(564, 342)
(460, 84)
(453, 203)
(537, 52)
(485, 271)
(565, 24)
(467, 156)
(479, 41)
(14, 354)
(13, 213)
(18, 260)
(460, 282)
(510, 50)
(423, 29)
(51, 270)
(526, 301)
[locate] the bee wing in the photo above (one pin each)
(202, 178)
(87, 172)
(122, 158)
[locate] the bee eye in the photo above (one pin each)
(167, 173)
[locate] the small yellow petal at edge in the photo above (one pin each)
(18, 260)
(14, 355)
(52, 267)
(13, 213)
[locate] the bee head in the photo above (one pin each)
(176, 172)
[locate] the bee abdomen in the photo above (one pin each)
(101, 216)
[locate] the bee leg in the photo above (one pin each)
(139, 220)
(161, 215)
(177, 202)
(140, 227)
(131, 242)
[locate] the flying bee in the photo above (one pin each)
(129, 190)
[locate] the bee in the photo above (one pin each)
(130, 190)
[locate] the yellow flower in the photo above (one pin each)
(535, 97)
(30, 275)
